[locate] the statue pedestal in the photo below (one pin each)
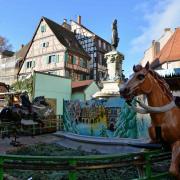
(114, 78)
(110, 89)
(114, 65)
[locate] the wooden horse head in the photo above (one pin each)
(143, 81)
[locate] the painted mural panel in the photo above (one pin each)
(94, 117)
(104, 118)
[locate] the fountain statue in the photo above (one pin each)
(115, 38)
(114, 59)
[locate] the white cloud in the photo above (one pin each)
(157, 16)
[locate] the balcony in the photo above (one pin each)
(77, 68)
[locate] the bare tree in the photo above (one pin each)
(4, 44)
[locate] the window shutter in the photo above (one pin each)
(26, 65)
(57, 58)
(66, 57)
(74, 59)
(53, 58)
(81, 62)
(47, 59)
(33, 65)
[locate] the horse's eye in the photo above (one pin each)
(141, 76)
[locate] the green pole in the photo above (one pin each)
(72, 173)
(1, 168)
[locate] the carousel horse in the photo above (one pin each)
(164, 112)
(37, 110)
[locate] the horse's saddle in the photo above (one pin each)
(177, 101)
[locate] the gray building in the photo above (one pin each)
(94, 45)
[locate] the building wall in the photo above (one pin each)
(47, 54)
(44, 45)
(79, 29)
(77, 68)
(90, 90)
(170, 65)
(156, 46)
(86, 94)
(96, 49)
(52, 87)
(8, 70)
(78, 96)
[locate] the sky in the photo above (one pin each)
(139, 21)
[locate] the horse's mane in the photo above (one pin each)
(162, 83)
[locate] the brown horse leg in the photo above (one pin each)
(152, 134)
(175, 161)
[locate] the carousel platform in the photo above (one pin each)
(103, 145)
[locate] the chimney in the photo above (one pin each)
(153, 42)
(79, 20)
(22, 45)
(155, 48)
(167, 29)
(66, 25)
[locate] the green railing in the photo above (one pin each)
(142, 161)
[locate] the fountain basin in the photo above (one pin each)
(102, 144)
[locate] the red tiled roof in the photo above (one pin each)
(81, 84)
(171, 50)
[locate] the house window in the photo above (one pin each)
(104, 45)
(70, 60)
(43, 28)
(81, 77)
(51, 59)
(66, 56)
(77, 60)
(74, 60)
(30, 64)
(83, 63)
(99, 43)
(100, 59)
(45, 44)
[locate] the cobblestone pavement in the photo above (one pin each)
(25, 141)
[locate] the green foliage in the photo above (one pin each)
(69, 123)
(56, 150)
(4, 44)
(143, 123)
(126, 126)
(24, 85)
(103, 132)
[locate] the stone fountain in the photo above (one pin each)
(110, 91)
(114, 58)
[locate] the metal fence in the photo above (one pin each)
(72, 164)
(32, 128)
